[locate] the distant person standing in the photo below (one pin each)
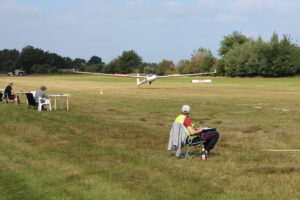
(9, 93)
(41, 93)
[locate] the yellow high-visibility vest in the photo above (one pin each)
(180, 119)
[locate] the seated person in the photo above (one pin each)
(211, 137)
(9, 93)
(41, 94)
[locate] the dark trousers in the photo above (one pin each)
(210, 137)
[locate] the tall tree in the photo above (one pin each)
(29, 57)
(276, 58)
(202, 61)
(79, 62)
(8, 59)
(150, 68)
(232, 40)
(184, 66)
(128, 62)
(165, 67)
(94, 60)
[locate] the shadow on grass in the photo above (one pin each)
(193, 155)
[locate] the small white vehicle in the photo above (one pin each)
(19, 72)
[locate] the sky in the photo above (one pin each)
(155, 29)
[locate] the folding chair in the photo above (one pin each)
(44, 101)
(179, 137)
(31, 100)
(190, 143)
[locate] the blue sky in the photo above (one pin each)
(155, 29)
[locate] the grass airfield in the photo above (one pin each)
(114, 146)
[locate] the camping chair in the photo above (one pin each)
(195, 144)
(179, 138)
(198, 143)
(44, 101)
(31, 101)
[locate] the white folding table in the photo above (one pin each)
(61, 97)
(21, 92)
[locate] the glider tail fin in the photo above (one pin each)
(138, 81)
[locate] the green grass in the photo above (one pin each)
(114, 146)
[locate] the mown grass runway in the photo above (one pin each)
(114, 146)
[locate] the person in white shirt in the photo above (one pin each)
(41, 93)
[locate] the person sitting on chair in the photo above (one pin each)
(41, 94)
(9, 93)
(210, 137)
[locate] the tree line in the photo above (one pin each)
(247, 57)
(239, 56)
(33, 60)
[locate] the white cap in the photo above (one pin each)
(185, 109)
(11, 82)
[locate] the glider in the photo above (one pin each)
(145, 78)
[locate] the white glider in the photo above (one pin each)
(147, 78)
